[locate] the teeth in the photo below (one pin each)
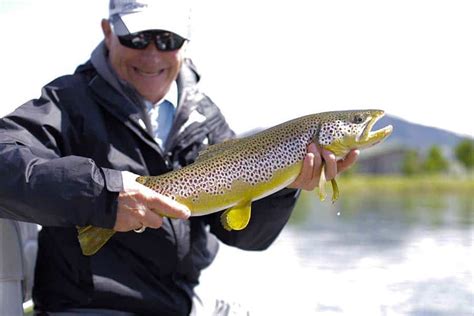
(148, 74)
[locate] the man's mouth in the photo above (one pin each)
(147, 73)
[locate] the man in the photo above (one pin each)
(70, 158)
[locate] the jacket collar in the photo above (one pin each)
(119, 98)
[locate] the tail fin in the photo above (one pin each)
(93, 238)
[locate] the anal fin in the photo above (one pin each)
(237, 217)
(321, 186)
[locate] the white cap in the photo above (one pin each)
(131, 16)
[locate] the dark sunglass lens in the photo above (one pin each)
(166, 41)
(135, 41)
(140, 42)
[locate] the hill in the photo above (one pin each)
(388, 157)
(417, 136)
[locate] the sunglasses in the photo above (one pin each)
(164, 41)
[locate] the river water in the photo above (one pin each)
(364, 255)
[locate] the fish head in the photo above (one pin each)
(342, 131)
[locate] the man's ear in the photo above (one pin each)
(107, 31)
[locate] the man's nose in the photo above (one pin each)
(151, 51)
(151, 48)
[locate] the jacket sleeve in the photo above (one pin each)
(269, 215)
(41, 181)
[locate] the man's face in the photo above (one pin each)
(150, 71)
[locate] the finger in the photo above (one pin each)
(331, 164)
(317, 167)
(313, 166)
(148, 218)
(165, 206)
(161, 204)
(304, 174)
(313, 148)
(297, 184)
(348, 161)
(123, 220)
(307, 172)
(134, 213)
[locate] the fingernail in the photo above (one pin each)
(329, 153)
(187, 212)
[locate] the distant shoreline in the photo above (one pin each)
(406, 184)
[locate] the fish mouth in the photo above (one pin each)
(369, 137)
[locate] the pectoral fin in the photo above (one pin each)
(237, 217)
(335, 190)
(322, 190)
(321, 186)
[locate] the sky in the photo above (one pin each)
(265, 62)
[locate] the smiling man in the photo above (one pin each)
(70, 158)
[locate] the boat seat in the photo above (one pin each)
(18, 249)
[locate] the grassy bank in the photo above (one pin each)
(404, 184)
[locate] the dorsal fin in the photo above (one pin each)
(216, 149)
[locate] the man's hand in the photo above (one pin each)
(140, 206)
(308, 179)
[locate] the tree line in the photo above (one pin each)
(436, 162)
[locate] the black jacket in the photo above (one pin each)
(60, 162)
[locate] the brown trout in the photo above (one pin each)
(230, 175)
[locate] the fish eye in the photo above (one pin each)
(357, 119)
